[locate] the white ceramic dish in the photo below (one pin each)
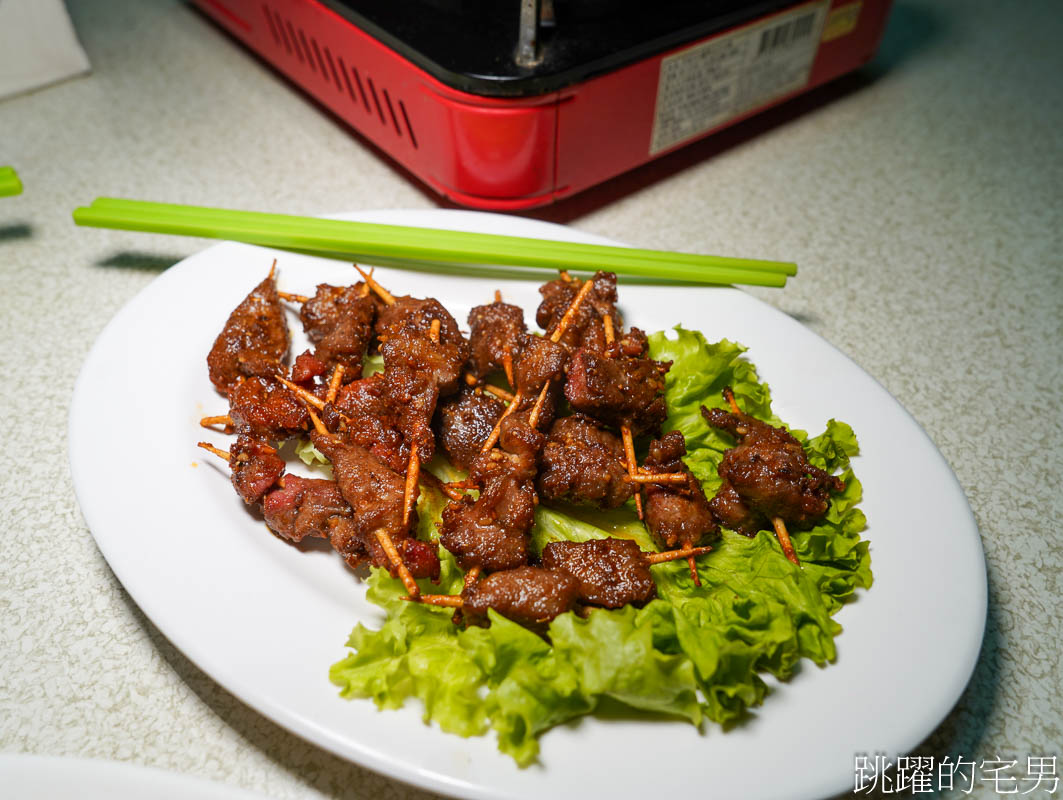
(266, 619)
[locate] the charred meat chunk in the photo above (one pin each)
(266, 409)
(375, 494)
(477, 537)
(403, 329)
(586, 329)
(256, 468)
(517, 454)
(541, 367)
(731, 512)
(254, 340)
(413, 398)
(374, 491)
(464, 422)
(632, 344)
(312, 507)
(356, 548)
(529, 596)
(492, 531)
(420, 558)
(304, 507)
(306, 368)
(338, 320)
(371, 420)
(618, 391)
(677, 515)
(547, 409)
(582, 464)
(769, 471)
(611, 572)
(496, 330)
(541, 360)
(417, 370)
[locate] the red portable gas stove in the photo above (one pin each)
(509, 104)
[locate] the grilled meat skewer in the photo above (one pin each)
(609, 573)
(338, 321)
(767, 478)
(582, 464)
(677, 514)
(254, 340)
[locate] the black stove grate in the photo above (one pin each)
(472, 45)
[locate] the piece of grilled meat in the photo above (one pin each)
(254, 340)
(529, 596)
(618, 391)
(582, 464)
(677, 514)
(586, 330)
(611, 572)
(463, 423)
(767, 475)
(496, 333)
(492, 531)
(338, 320)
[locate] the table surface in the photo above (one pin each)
(922, 197)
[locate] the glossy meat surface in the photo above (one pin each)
(403, 329)
(678, 515)
(417, 370)
(371, 420)
(582, 464)
(476, 535)
(769, 470)
(372, 489)
(731, 512)
(254, 340)
(541, 360)
(304, 507)
(464, 421)
(266, 409)
(618, 391)
(306, 368)
(420, 558)
(255, 467)
(529, 596)
(495, 329)
(492, 531)
(611, 572)
(586, 329)
(338, 320)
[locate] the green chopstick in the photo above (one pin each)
(422, 247)
(9, 182)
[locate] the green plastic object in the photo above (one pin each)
(9, 182)
(424, 248)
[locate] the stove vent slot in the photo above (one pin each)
(360, 89)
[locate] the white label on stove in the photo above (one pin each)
(706, 85)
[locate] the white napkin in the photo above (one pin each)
(38, 46)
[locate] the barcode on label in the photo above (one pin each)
(785, 34)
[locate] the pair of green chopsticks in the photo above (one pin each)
(9, 182)
(423, 248)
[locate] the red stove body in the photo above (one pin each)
(557, 116)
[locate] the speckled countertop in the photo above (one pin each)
(922, 197)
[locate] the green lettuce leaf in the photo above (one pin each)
(693, 652)
(309, 454)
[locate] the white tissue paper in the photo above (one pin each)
(38, 46)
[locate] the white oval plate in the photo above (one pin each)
(266, 619)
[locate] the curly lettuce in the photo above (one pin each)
(692, 653)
